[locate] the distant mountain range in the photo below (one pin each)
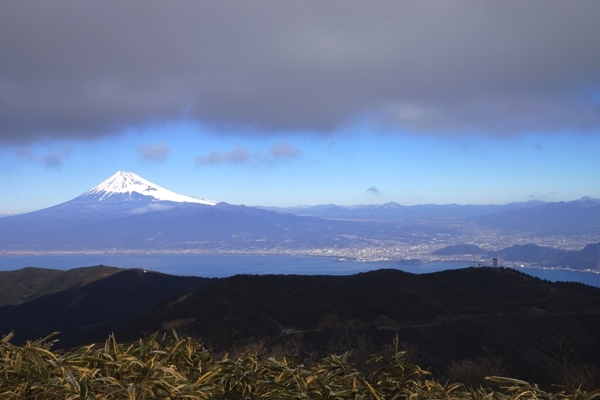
(587, 258)
(530, 326)
(395, 210)
(562, 218)
(128, 213)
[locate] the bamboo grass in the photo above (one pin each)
(163, 366)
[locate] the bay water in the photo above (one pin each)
(218, 266)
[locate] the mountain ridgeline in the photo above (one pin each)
(95, 302)
(393, 210)
(126, 213)
(587, 258)
(528, 326)
(30, 283)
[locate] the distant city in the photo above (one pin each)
(420, 247)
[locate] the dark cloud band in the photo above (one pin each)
(79, 69)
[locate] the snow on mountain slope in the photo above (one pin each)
(129, 183)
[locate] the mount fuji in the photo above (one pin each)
(127, 213)
(127, 186)
(124, 193)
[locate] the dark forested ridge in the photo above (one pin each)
(92, 311)
(29, 283)
(448, 316)
(529, 327)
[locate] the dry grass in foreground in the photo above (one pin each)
(170, 367)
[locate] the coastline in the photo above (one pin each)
(300, 253)
(224, 265)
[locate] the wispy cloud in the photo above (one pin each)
(239, 155)
(54, 160)
(51, 160)
(154, 152)
(8, 213)
(373, 190)
(285, 150)
(24, 153)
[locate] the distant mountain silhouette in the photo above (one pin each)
(127, 213)
(562, 218)
(543, 255)
(461, 249)
(394, 210)
(181, 226)
(113, 225)
(587, 258)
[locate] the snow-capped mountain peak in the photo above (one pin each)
(128, 183)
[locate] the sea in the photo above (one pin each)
(219, 266)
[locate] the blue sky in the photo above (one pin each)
(341, 168)
(282, 104)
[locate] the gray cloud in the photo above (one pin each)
(24, 153)
(373, 190)
(284, 150)
(156, 152)
(54, 160)
(80, 70)
(239, 155)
